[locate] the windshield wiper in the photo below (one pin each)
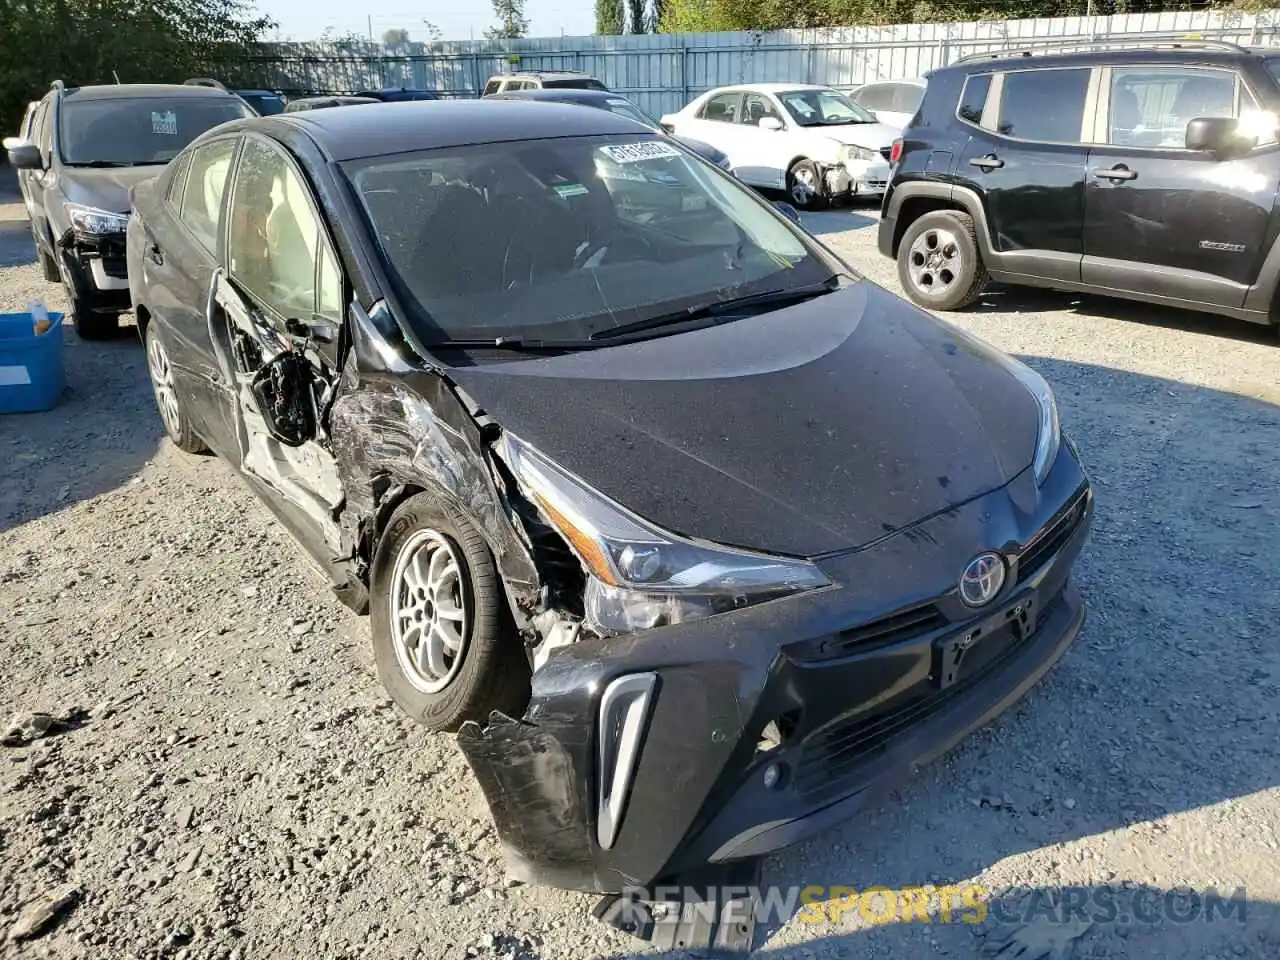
(532, 344)
(101, 163)
(770, 298)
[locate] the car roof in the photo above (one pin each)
(429, 124)
(771, 87)
(127, 91)
(561, 95)
(544, 75)
(1041, 59)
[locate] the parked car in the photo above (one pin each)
(604, 100)
(399, 94)
(1147, 174)
(324, 102)
(541, 80)
(81, 150)
(813, 142)
(893, 102)
(455, 347)
(266, 103)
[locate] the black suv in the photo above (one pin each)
(79, 152)
(1149, 174)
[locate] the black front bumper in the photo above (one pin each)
(852, 676)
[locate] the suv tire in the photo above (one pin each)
(433, 569)
(91, 325)
(939, 264)
(805, 188)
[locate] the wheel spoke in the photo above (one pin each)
(433, 643)
(447, 608)
(448, 635)
(440, 564)
(415, 573)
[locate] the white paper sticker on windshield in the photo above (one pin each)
(636, 152)
(164, 124)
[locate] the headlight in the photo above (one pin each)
(95, 222)
(852, 152)
(1049, 438)
(642, 577)
(1049, 430)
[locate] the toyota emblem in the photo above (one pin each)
(982, 579)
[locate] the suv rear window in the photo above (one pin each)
(973, 99)
(131, 131)
(583, 83)
(1045, 105)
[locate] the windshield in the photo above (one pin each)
(625, 108)
(267, 104)
(822, 108)
(138, 130)
(562, 239)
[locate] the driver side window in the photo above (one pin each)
(276, 247)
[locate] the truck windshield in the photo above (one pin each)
(136, 131)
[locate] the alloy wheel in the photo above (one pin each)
(429, 622)
(935, 261)
(162, 383)
(804, 186)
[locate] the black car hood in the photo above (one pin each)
(106, 188)
(807, 430)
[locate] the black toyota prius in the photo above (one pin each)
(693, 536)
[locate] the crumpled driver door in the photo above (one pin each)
(282, 388)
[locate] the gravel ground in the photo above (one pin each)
(223, 777)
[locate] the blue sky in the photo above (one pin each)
(308, 19)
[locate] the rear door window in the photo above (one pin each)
(1044, 105)
(973, 99)
(493, 86)
(177, 173)
(201, 206)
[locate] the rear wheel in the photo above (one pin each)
(172, 412)
(805, 187)
(939, 264)
(445, 647)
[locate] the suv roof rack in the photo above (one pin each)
(204, 82)
(1183, 41)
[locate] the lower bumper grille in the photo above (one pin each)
(831, 758)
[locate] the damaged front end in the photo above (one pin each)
(92, 251)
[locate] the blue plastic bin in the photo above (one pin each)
(31, 376)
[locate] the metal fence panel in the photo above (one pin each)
(662, 72)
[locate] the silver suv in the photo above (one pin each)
(558, 80)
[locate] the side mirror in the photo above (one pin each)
(788, 211)
(772, 124)
(1220, 135)
(23, 154)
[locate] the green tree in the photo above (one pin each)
(608, 17)
(636, 10)
(512, 23)
(93, 41)
(395, 35)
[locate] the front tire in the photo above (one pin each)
(939, 264)
(445, 647)
(90, 324)
(172, 412)
(805, 187)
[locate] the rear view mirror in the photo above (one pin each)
(1220, 135)
(23, 154)
(770, 123)
(788, 211)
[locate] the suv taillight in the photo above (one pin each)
(895, 152)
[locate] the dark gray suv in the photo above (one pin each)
(80, 151)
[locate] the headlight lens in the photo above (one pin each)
(640, 576)
(96, 222)
(852, 152)
(1049, 438)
